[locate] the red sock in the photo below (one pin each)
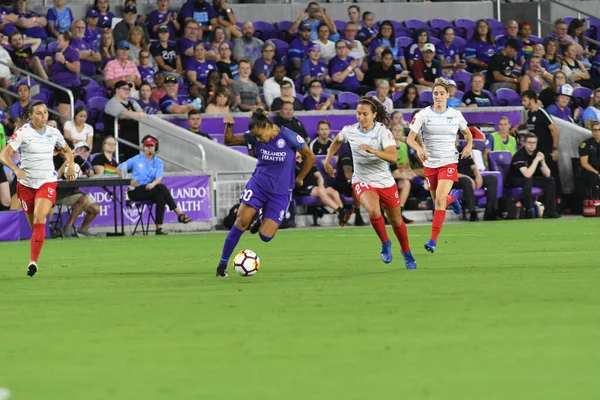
(379, 225)
(450, 199)
(438, 220)
(402, 236)
(37, 240)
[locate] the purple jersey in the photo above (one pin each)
(156, 17)
(150, 107)
(93, 37)
(183, 44)
(555, 111)
(61, 75)
(202, 69)
(147, 74)
(34, 32)
(447, 53)
(88, 68)
(298, 50)
(167, 102)
(480, 50)
(366, 33)
(317, 71)
(336, 65)
(200, 11)
(105, 21)
(261, 67)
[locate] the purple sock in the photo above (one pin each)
(233, 237)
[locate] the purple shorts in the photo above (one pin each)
(274, 205)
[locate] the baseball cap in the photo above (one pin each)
(314, 47)
(122, 83)
(565, 90)
(514, 43)
(306, 26)
(123, 44)
(150, 140)
(450, 82)
(163, 28)
(80, 145)
(92, 13)
(170, 79)
(428, 47)
(130, 10)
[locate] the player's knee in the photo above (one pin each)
(440, 203)
(374, 213)
(242, 223)
(265, 238)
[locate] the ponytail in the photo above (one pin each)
(260, 119)
(381, 114)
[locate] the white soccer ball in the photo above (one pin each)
(246, 263)
(78, 171)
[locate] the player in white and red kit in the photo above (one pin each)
(373, 149)
(439, 125)
(36, 177)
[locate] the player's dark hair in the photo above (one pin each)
(259, 120)
(377, 108)
(530, 94)
(29, 109)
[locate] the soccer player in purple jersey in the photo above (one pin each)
(271, 185)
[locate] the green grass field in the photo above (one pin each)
(506, 310)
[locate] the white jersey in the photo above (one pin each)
(368, 168)
(439, 134)
(36, 153)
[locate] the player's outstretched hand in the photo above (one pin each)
(228, 121)
(466, 153)
(20, 173)
(329, 169)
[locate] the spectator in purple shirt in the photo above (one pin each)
(481, 47)
(369, 29)
(263, 67)
(59, 18)
(163, 16)
(64, 68)
(201, 12)
(415, 51)
(148, 105)
(87, 55)
(29, 22)
(171, 103)
(105, 17)
(146, 67)
(314, 68)
(561, 109)
(345, 71)
(226, 19)
(298, 49)
(92, 31)
(316, 100)
(448, 54)
(185, 45)
(198, 68)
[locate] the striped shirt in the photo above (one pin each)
(36, 153)
(439, 134)
(368, 168)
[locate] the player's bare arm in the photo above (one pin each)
(333, 149)
(5, 158)
(466, 153)
(228, 137)
(412, 142)
(388, 154)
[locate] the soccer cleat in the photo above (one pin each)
(430, 246)
(386, 252)
(255, 226)
(409, 260)
(455, 204)
(222, 271)
(32, 268)
(407, 221)
(358, 219)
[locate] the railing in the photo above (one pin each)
(31, 75)
(568, 7)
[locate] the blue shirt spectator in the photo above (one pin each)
(142, 170)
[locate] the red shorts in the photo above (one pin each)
(434, 175)
(388, 197)
(27, 195)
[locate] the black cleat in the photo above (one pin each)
(407, 221)
(255, 226)
(222, 271)
(32, 268)
(358, 220)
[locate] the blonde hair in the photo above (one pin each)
(440, 82)
(137, 29)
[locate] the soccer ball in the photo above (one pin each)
(246, 263)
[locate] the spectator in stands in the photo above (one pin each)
(107, 49)
(354, 15)
(286, 96)
(315, 101)
(383, 90)
(529, 169)
(502, 69)
(59, 18)
(159, 91)
(64, 67)
(314, 68)
(386, 38)
(122, 68)
(226, 19)
(30, 23)
(299, 48)
(576, 72)
(263, 67)
(589, 155)
(535, 77)
(448, 54)
(562, 37)
(560, 109)
(345, 71)
(415, 51)
(137, 43)
(166, 54)
(452, 100)
(92, 31)
(105, 163)
(321, 144)
(5, 78)
(481, 47)
(163, 16)
(147, 174)
(576, 31)
(199, 67)
(247, 47)
(369, 30)
(326, 45)
(476, 97)
(523, 35)
(427, 69)
(355, 47)
(105, 16)
(548, 95)
(22, 53)
(501, 140)
(272, 86)
(218, 36)
(539, 51)
(185, 45)
(512, 32)
(16, 109)
(213, 83)
(383, 70)
(219, 103)
(228, 68)
(201, 12)
(551, 56)
(77, 130)
(146, 67)
(593, 111)
(410, 97)
(286, 118)
(88, 56)
(314, 15)
(245, 91)
(194, 98)
(130, 19)
(121, 104)
(171, 103)
(194, 123)
(149, 106)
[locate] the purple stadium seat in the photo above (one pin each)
(495, 24)
(459, 94)
(535, 39)
(463, 25)
(414, 24)
(398, 26)
(568, 19)
(582, 95)
(477, 144)
(425, 98)
(340, 26)
(372, 93)
(508, 97)
(500, 161)
(300, 97)
(460, 43)
(438, 25)
(283, 27)
(405, 41)
(492, 96)
(435, 41)
(52, 47)
(348, 100)
(265, 30)
(396, 95)
(281, 48)
(463, 80)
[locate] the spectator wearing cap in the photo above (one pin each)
(163, 16)
(201, 12)
(171, 103)
(194, 123)
(560, 109)
(313, 67)
(314, 15)
(247, 47)
(272, 86)
(452, 100)
(105, 16)
(88, 56)
(122, 68)
(77, 130)
(426, 69)
(326, 45)
(121, 104)
(166, 54)
(17, 107)
(512, 32)
(92, 31)
(298, 50)
(198, 68)
(502, 67)
(59, 18)
(264, 65)
(64, 68)
(130, 19)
